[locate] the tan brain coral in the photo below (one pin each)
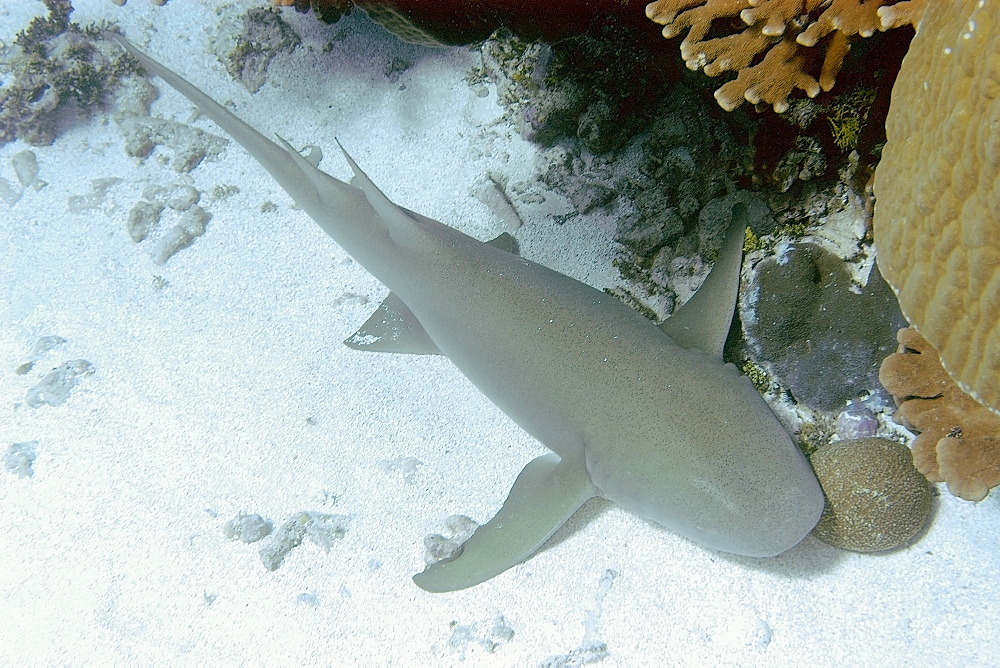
(786, 45)
(875, 499)
(937, 215)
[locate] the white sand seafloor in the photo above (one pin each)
(221, 387)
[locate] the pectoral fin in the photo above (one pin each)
(546, 494)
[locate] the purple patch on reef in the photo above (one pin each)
(856, 421)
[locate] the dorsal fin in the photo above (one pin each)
(702, 323)
(403, 228)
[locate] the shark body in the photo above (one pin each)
(648, 417)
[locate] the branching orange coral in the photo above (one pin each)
(787, 44)
(959, 441)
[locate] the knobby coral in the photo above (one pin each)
(785, 44)
(959, 441)
(937, 216)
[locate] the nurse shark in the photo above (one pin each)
(646, 416)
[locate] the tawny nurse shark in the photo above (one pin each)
(648, 417)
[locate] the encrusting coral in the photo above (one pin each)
(814, 329)
(786, 44)
(937, 212)
(959, 441)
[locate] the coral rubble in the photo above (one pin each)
(20, 459)
(54, 389)
(54, 71)
(264, 36)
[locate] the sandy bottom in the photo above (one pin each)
(220, 387)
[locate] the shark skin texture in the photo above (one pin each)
(648, 417)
